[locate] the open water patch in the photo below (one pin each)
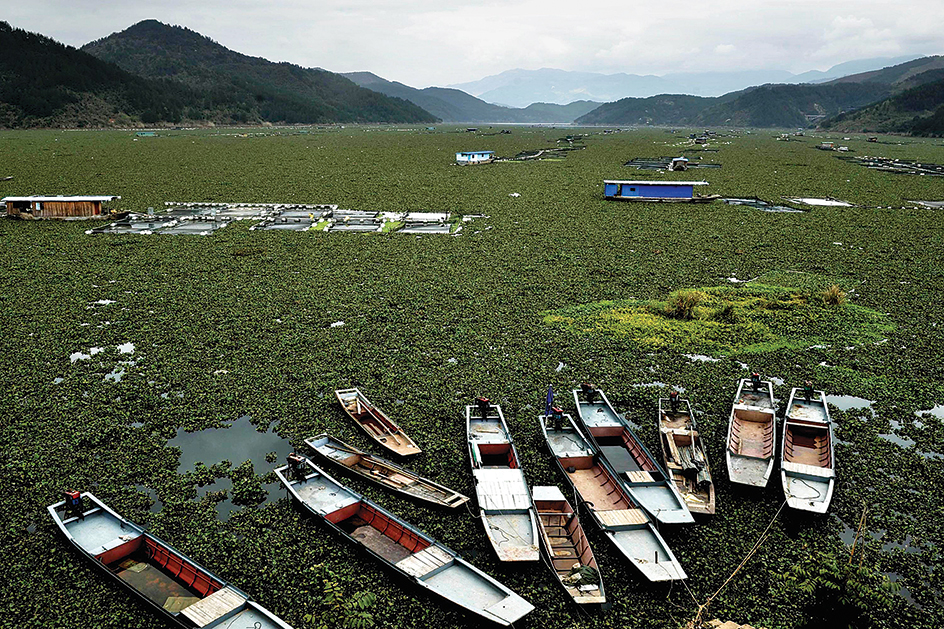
(849, 402)
(237, 443)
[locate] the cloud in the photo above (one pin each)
(428, 42)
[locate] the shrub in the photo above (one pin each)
(833, 296)
(681, 304)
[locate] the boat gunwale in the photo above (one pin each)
(530, 511)
(355, 469)
(681, 513)
(177, 618)
(610, 531)
(374, 409)
(578, 530)
(362, 500)
(697, 442)
(794, 502)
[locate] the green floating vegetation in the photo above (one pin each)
(751, 318)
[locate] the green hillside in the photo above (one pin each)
(248, 89)
(44, 83)
(919, 111)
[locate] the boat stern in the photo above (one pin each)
(509, 610)
(745, 470)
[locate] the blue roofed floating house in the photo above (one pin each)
(658, 191)
(475, 157)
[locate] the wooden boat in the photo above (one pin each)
(751, 433)
(383, 472)
(176, 587)
(610, 505)
(375, 423)
(403, 548)
(566, 547)
(807, 459)
(684, 455)
(635, 467)
(501, 490)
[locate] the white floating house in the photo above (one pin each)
(475, 157)
(681, 191)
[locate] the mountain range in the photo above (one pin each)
(452, 105)
(519, 88)
(781, 105)
(155, 73)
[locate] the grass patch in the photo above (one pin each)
(392, 226)
(722, 320)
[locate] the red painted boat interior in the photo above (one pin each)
(497, 455)
(386, 536)
(607, 436)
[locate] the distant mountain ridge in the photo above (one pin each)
(517, 88)
(453, 105)
(773, 105)
(250, 89)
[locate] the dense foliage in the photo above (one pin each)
(919, 111)
(44, 83)
(722, 320)
(240, 322)
(249, 88)
(781, 106)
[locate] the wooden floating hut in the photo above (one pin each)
(57, 207)
(475, 157)
(660, 191)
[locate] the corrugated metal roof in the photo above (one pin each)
(658, 183)
(91, 198)
(474, 152)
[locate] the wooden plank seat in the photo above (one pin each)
(425, 561)
(620, 517)
(639, 477)
(810, 470)
(214, 606)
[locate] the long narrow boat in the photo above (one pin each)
(635, 467)
(176, 587)
(404, 548)
(505, 504)
(566, 547)
(383, 472)
(807, 459)
(751, 433)
(610, 505)
(375, 423)
(684, 454)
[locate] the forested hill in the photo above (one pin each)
(249, 88)
(44, 83)
(919, 111)
(765, 106)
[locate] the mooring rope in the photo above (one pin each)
(760, 541)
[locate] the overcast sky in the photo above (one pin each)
(439, 42)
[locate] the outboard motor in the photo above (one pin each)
(296, 466)
(674, 401)
(808, 390)
(557, 414)
(589, 392)
(755, 381)
(483, 405)
(75, 504)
